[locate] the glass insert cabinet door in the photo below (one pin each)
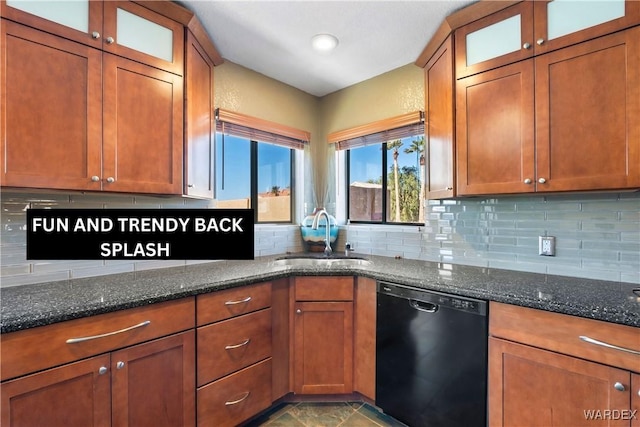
(120, 27)
(498, 39)
(535, 27)
(72, 14)
(560, 23)
(78, 20)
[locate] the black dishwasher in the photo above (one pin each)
(431, 357)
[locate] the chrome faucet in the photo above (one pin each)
(314, 226)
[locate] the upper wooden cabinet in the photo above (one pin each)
(95, 97)
(585, 105)
(199, 132)
(123, 28)
(534, 27)
(440, 122)
(495, 151)
(495, 40)
(81, 119)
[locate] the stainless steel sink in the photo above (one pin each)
(321, 261)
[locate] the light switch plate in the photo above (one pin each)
(547, 245)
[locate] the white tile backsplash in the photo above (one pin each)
(597, 235)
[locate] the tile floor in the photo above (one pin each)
(324, 414)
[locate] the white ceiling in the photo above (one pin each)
(274, 37)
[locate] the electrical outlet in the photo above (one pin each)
(547, 245)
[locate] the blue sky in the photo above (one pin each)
(371, 156)
(237, 164)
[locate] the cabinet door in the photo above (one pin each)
(323, 347)
(79, 20)
(143, 110)
(495, 40)
(561, 23)
(635, 400)
(588, 115)
(533, 387)
(440, 100)
(495, 131)
(73, 395)
(50, 129)
(199, 123)
(154, 383)
(135, 32)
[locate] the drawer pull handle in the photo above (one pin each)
(234, 402)
(247, 299)
(604, 344)
(242, 344)
(108, 334)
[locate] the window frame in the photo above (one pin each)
(409, 125)
(247, 128)
(385, 165)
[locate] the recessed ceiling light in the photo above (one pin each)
(324, 42)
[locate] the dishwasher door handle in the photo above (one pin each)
(423, 306)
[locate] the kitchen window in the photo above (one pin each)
(255, 162)
(385, 169)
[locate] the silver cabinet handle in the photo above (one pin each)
(95, 178)
(108, 334)
(234, 402)
(604, 344)
(242, 344)
(247, 299)
(540, 42)
(102, 370)
(111, 180)
(527, 181)
(95, 35)
(542, 180)
(526, 46)
(120, 365)
(298, 311)
(619, 386)
(109, 40)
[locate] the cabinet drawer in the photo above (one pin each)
(43, 347)
(236, 398)
(324, 288)
(562, 333)
(233, 344)
(232, 302)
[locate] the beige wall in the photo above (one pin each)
(248, 92)
(390, 94)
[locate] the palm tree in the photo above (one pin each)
(275, 190)
(395, 146)
(417, 146)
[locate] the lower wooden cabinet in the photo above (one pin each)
(323, 335)
(77, 394)
(550, 369)
(234, 338)
(534, 387)
(150, 384)
(236, 397)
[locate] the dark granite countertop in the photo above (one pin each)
(41, 304)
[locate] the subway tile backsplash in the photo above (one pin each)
(597, 235)
(15, 269)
